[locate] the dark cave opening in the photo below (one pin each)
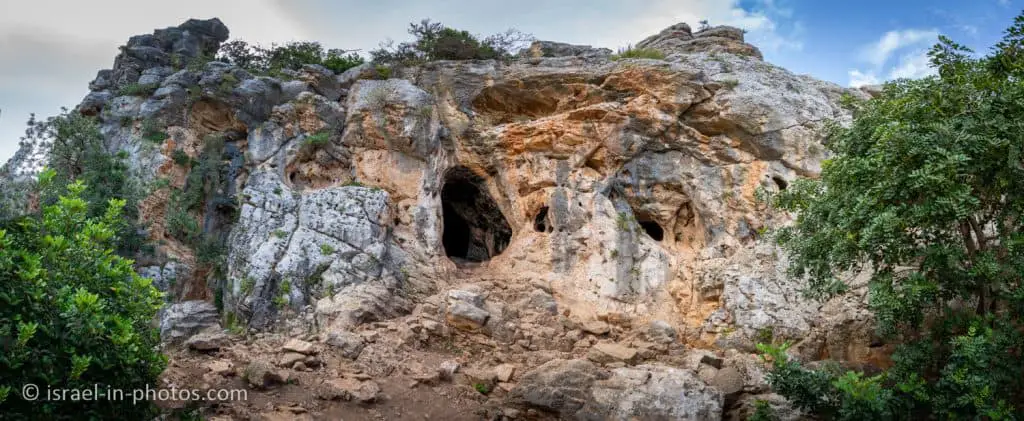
(540, 222)
(780, 182)
(475, 230)
(653, 230)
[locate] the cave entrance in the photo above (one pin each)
(653, 230)
(475, 230)
(540, 222)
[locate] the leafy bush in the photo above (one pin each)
(630, 52)
(181, 158)
(434, 41)
(290, 56)
(73, 314)
(925, 189)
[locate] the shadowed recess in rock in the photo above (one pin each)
(474, 228)
(653, 230)
(540, 222)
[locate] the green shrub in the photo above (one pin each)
(181, 224)
(181, 158)
(630, 52)
(290, 56)
(135, 89)
(326, 249)
(763, 411)
(73, 314)
(319, 139)
(434, 41)
(923, 193)
(153, 131)
(482, 388)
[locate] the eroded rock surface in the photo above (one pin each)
(541, 211)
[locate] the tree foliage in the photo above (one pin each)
(926, 191)
(78, 153)
(72, 313)
(290, 56)
(434, 41)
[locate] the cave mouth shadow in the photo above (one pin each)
(475, 230)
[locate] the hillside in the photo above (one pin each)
(563, 234)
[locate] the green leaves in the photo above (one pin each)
(73, 313)
(924, 189)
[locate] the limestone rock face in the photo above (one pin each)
(619, 195)
(679, 38)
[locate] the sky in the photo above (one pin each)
(51, 49)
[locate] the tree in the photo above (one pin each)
(77, 152)
(434, 41)
(73, 314)
(290, 56)
(926, 190)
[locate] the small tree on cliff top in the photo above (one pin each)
(926, 188)
(434, 41)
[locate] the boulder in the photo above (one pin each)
(208, 341)
(562, 386)
(577, 389)
(652, 392)
(181, 321)
(661, 332)
(299, 346)
(261, 375)
(349, 344)
(349, 389)
(611, 353)
(595, 327)
(560, 49)
(464, 310)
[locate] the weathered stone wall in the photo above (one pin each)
(629, 189)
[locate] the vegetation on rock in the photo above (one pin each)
(924, 191)
(72, 313)
(290, 56)
(434, 41)
(630, 52)
(77, 153)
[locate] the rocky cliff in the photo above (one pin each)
(595, 215)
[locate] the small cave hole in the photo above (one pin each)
(780, 183)
(540, 222)
(475, 230)
(653, 230)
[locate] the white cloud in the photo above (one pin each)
(879, 52)
(858, 78)
(912, 66)
(51, 49)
